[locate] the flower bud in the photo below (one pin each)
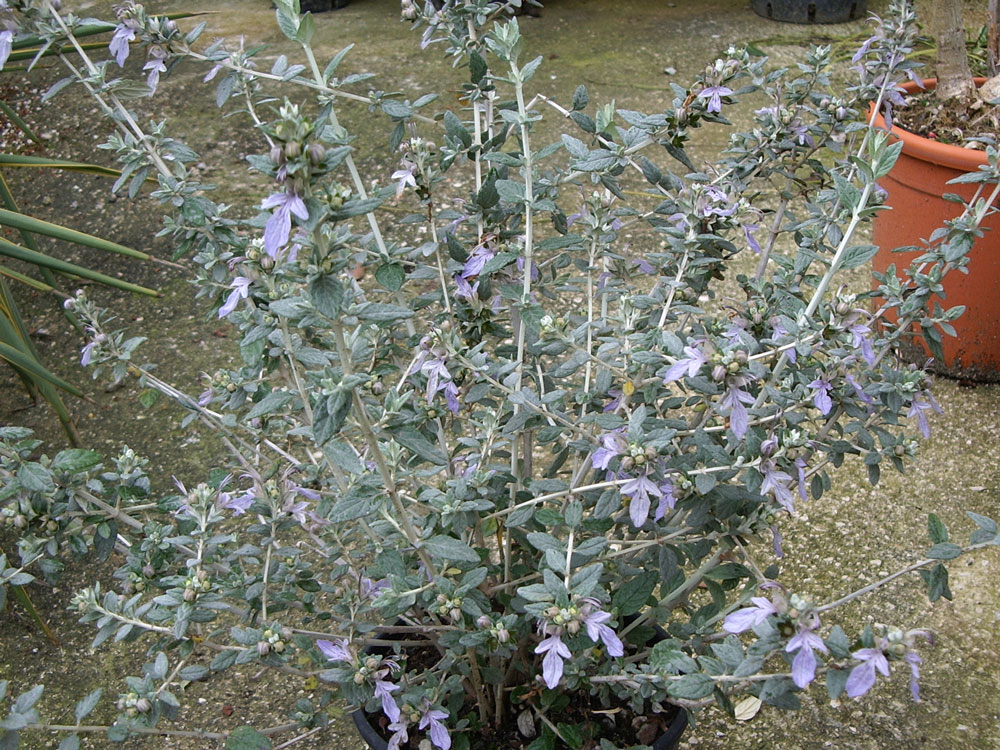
(719, 373)
(142, 705)
(371, 663)
(455, 614)
(358, 678)
(69, 304)
(148, 571)
(503, 635)
(190, 595)
(483, 621)
(573, 627)
(316, 154)
(628, 463)
(293, 150)
(279, 646)
(277, 155)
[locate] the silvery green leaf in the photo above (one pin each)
(342, 455)
(691, 686)
(26, 701)
(510, 191)
(35, 478)
(556, 561)
(585, 580)
(247, 738)
(380, 312)
(536, 592)
(272, 402)
(396, 109)
(160, 666)
(74, 460)
(575, 146)
(70, 742)
(449, 548)
(985, 523)
(411, 438)
(574, 513)
(630, 597)
(542, 541)
(944, 551)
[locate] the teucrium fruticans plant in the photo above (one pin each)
(521, 437)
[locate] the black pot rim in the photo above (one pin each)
(667, 741)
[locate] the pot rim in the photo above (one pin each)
(926, 149)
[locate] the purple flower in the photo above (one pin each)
(439, 732)
(465, 289)
(733, 399)
(776, 482)
(155, 65)
(598, 631)
(643, 265)
(241, 290)
(667, 499)
(806, 642)
(238, 505)
(124, 33)
(747, 617)
(800, 466)
(477, 260)
(918, 407)
(913, 659)
(552, 665)
(690, 364)
(748, 230)
(405, 179)
(859, 391)
(859, 335)
(383, 691)
(612, 444)
(399, 735)
(821, 395)
(87, 353)
(335, 650)
(864, 48)
(6, 45)
(714, 95)
(862, 677)
(639, 489)
(279, 226)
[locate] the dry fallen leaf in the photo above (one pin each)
(747, 708)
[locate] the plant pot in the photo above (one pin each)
(915, 186)
(810, 11)
(669, 740)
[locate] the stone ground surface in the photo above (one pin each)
(854, 535)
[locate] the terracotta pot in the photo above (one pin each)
(915, 186)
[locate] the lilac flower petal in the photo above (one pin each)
(745, 618)
(119, 43)
(383, 691)
(804, 666)
(335, 651)
(6, 45)
(860, 680)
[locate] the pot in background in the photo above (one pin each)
(915, 186)
(810, 11)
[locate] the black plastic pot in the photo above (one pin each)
(667, 741)
(810, 11)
